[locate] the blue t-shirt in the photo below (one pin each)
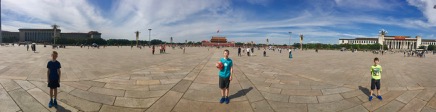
(53, 66)
(225, 72)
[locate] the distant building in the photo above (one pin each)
(37, 35)
(46, 35)
(217, 41)
(10, 36)
(392, 42)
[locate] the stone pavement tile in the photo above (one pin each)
(96, 97)
(354, 100)
(182, 86)
(428, 109)
(207, 79)
(159, 77)
(288, 107)
(426, 95)
(78, 103)
(392, 106)
(324, 86)
(407, 96)
(147, 82)
(329, 98)
(301, 92)
(116, 81)
(93, 83)
(286, 86)
(335, 90)
(204, 87)
(331, 106)
(432, 103)
(375, 103)
(261, 106)
(204, 96)
(139, 78)
(25, 84)
(353, 93)
(176, 76)
(26, 102)
(77, 85)
(303, 99)
(127, 87)
(166, 103)
(415, 105)
(161, 87)
(358, 108)
(66, 88)
(415, 88)
(44, 98)
(108, 108)
(144, 94)
(169, 81)
(397, 88)
(134, 102)
(253, 95)
(191, 76)
(269, 89)
(272, 81)
(43, 86)
(7, 104)
(9, 85)
(275, 97)
(107, 91)
(190, 106)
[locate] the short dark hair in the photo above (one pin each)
(376, 59)
(226, 51)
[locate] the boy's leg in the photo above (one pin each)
(51, 93)
(55, 93)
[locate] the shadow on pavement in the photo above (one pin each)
(364, 90)
(240, 93)
(61, 109)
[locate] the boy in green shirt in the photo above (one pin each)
(376, 70)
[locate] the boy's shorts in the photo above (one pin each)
(53, 84)
(375, 83)
(224, 82)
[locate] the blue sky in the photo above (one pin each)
(322, 21)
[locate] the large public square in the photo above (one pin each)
(122, 79)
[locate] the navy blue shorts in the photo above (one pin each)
(53, 84)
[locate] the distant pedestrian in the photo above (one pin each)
(27, 47)
(152, 50)
(264, 53)
(239, 51)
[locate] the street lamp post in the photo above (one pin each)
(137, 37)
(290, 35)
(149, 36)
(54, 33)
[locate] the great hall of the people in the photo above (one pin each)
(392, 42)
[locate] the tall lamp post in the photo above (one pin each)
(137, 37)
(290, 35)
(149, 36)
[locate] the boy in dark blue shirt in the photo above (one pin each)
(225, 76)
(53, 78)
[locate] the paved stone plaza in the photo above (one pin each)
(116, 79)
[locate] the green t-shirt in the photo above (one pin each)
(376, 71)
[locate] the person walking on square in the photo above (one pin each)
(27, 47)
(152, 50)
(53, 78)
(225, 66)
(239, 51)
(376, 70)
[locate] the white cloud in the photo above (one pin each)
(427, 8)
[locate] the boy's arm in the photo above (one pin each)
(48, 74)
(59, 72)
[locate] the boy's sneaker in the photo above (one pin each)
(50, 104)
(370, 98)
(55, 103)
(379, 97)
(222, 100)
(227, 100)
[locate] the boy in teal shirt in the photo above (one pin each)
(376, 70)
(225, 76)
